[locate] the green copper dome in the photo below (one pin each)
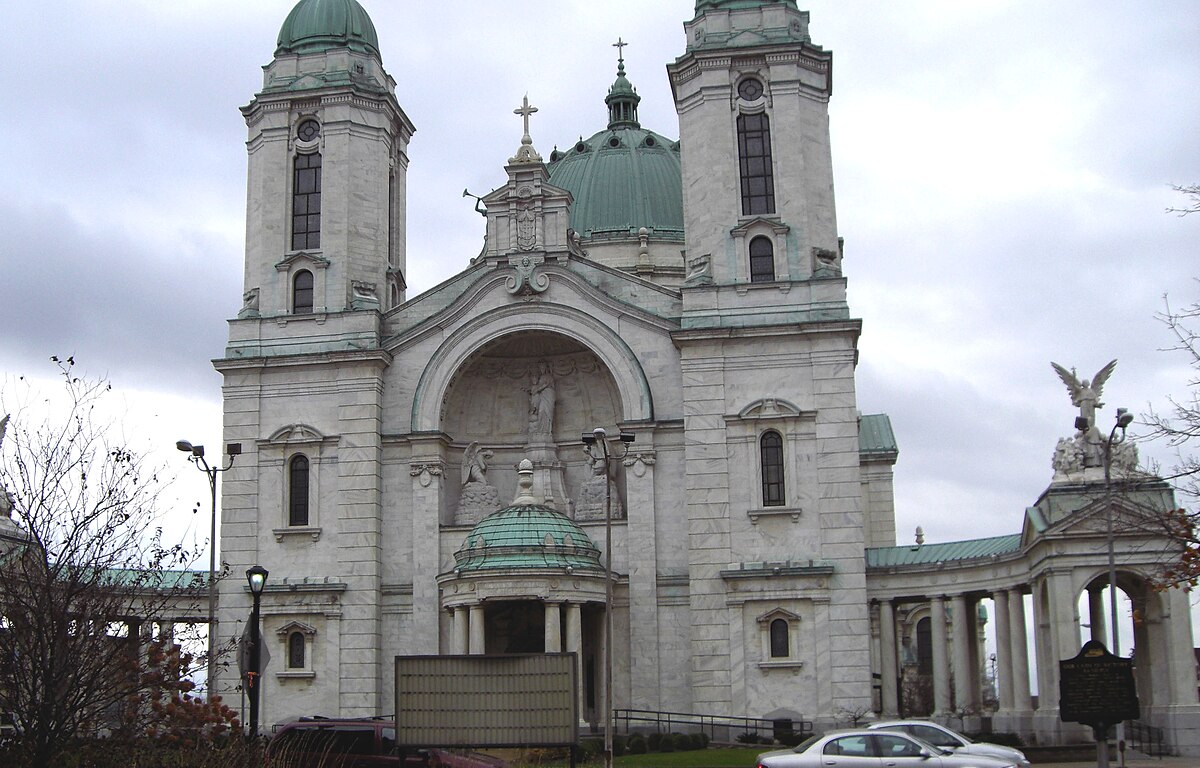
(527, 536)
(314, 26)
(623, 178)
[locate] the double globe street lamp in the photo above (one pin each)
(196, 456)
(596, 446)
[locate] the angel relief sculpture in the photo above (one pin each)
(477, 499)
(1085, 395)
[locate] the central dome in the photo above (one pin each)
(315, 26)
(623, 178)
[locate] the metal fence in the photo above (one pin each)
(1146, 738)
(720, 728)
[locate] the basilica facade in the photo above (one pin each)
(413, 472)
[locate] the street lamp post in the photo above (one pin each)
(1124, 419)
(233, 450)
(595, 440)
(257, 576)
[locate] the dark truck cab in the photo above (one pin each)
(322, 742)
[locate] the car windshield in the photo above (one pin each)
(933, 748)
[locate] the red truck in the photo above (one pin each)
(322, 742)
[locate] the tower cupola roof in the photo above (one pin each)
(315, 26)
(622, 99)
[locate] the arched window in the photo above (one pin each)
(754, 156)
(298, 490)
(770, 447)
(780, 647)
(302, 293)
(762, 260)
(306, 202)
(295, 657)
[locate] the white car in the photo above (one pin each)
(941, 736)
(873, 749)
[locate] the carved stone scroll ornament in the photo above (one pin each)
(425, 472)
(525, 280)
(249, 304)
(699, 270)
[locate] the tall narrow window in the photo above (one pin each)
(771, 455)
(298, 491)
(780, 647)
(302, 293)
(295, 658)
(754, 154)
(762, 260)
(306, 202)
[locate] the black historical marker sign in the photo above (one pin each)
(1096, 688)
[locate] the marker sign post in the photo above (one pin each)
(1096, 688)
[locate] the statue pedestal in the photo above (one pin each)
(478, 500)
(549, 476)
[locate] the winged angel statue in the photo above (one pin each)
(1085, 394)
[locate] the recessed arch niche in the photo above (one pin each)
(490, 400)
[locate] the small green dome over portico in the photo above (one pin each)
(527, 536)
(315, 26)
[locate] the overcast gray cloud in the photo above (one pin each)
(1002, 171)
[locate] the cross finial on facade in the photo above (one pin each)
(525, 111)
(620, 46)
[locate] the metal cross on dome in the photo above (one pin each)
(525, 111)
(620, 46)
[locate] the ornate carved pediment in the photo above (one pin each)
(778, 613)
(295, 626)
(776, 226)
(770, 408)
(301, 259)
(296, 433)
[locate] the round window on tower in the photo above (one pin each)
(308, 130)
(750, 89)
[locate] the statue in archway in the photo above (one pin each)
(542, 397)
(477, 498)
(591, 500)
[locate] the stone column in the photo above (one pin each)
(962, 652)
(427, 477)
(1019, 651)
(941, 669)
(575, 646)
(641, 559)
(1178, 632)
(459, 637)
(1004, 664)
(1096, 616)
(553, 628)
(889, 694)
(476, 643)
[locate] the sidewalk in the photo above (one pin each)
(1132, 761)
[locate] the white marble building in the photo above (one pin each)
(687, 292)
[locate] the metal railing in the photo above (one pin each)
(720, 728)
(1146, 738)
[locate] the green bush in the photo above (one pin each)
(789, 738)
(668, 743)
(703, 740)
(654, 742)
(590, 747)
(636, 744)
(618, 745)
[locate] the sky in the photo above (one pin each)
(1002, 172)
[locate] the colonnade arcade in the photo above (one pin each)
(1042, 611)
